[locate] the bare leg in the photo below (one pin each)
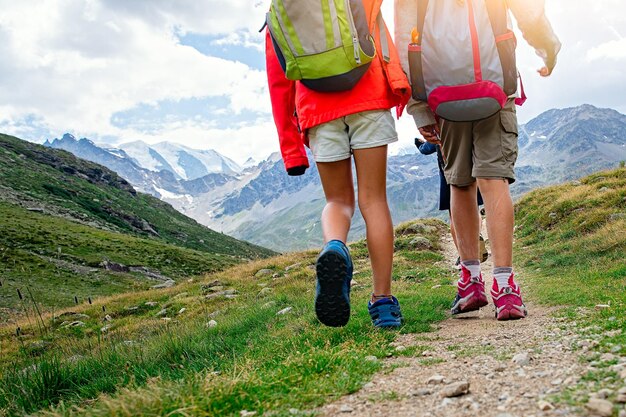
(452, 231)
(336, 180)
(465, 217)
(371, 169)
(500, 219)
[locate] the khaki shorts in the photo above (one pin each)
(482, 149)
(335, 140)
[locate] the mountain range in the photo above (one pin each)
(261, 204)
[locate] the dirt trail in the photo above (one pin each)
(512, 368)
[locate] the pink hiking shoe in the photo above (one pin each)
(508, 301)
(471, 293)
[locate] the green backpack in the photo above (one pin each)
(325, 44)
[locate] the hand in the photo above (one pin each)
(431, 133)
(549, 59)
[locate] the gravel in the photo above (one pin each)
(514, 369)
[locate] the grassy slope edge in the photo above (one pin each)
(158, 353)
(571, 245)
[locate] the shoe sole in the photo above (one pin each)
(331, 307)
(511, 313)
(474, 303)
(388, 325)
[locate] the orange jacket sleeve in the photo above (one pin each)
(283, 95)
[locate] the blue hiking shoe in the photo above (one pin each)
(334, 273)
(385, 313)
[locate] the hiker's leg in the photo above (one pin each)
(500, 219)
(371, 169)
(464, 211)
(453, 231)
(336, 180)
(456, 149)
(495, 153)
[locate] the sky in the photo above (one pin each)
(192, 72)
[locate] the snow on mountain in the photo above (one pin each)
(193, 163)
(402, 150)
(144, 156)
(167, 195)
(184, 162)
(274, 157)
(143, 166)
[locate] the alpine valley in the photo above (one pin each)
(72, 230)
(260, 203)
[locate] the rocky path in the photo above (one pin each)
(476, 366)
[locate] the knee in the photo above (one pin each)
(344, 203)
(368, 203)
(488, 184)
(464, 188)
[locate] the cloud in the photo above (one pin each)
(615, 49)
(73, 64)
(245, 39)
(80, 65)
(206, 17)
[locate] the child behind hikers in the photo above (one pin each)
(427, 148)
(339, 126)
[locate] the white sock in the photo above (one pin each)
(501, 275)
(473, 266)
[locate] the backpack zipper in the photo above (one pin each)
(355, 38)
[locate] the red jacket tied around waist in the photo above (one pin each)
(296, 108)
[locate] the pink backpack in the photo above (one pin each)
(462, 58)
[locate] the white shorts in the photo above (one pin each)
(334, 141)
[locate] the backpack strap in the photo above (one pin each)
(384, 42)
(522, 98)
(415, 73)
(505, 42)
(422, 7)
(497, 16)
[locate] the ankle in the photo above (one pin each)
(378, 297)
(473, 266)
(501, 275)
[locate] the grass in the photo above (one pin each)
(59, 259)
(573, 237)
(571, 244)
(253, 359)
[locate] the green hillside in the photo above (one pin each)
(571, 241)
(62, 217)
